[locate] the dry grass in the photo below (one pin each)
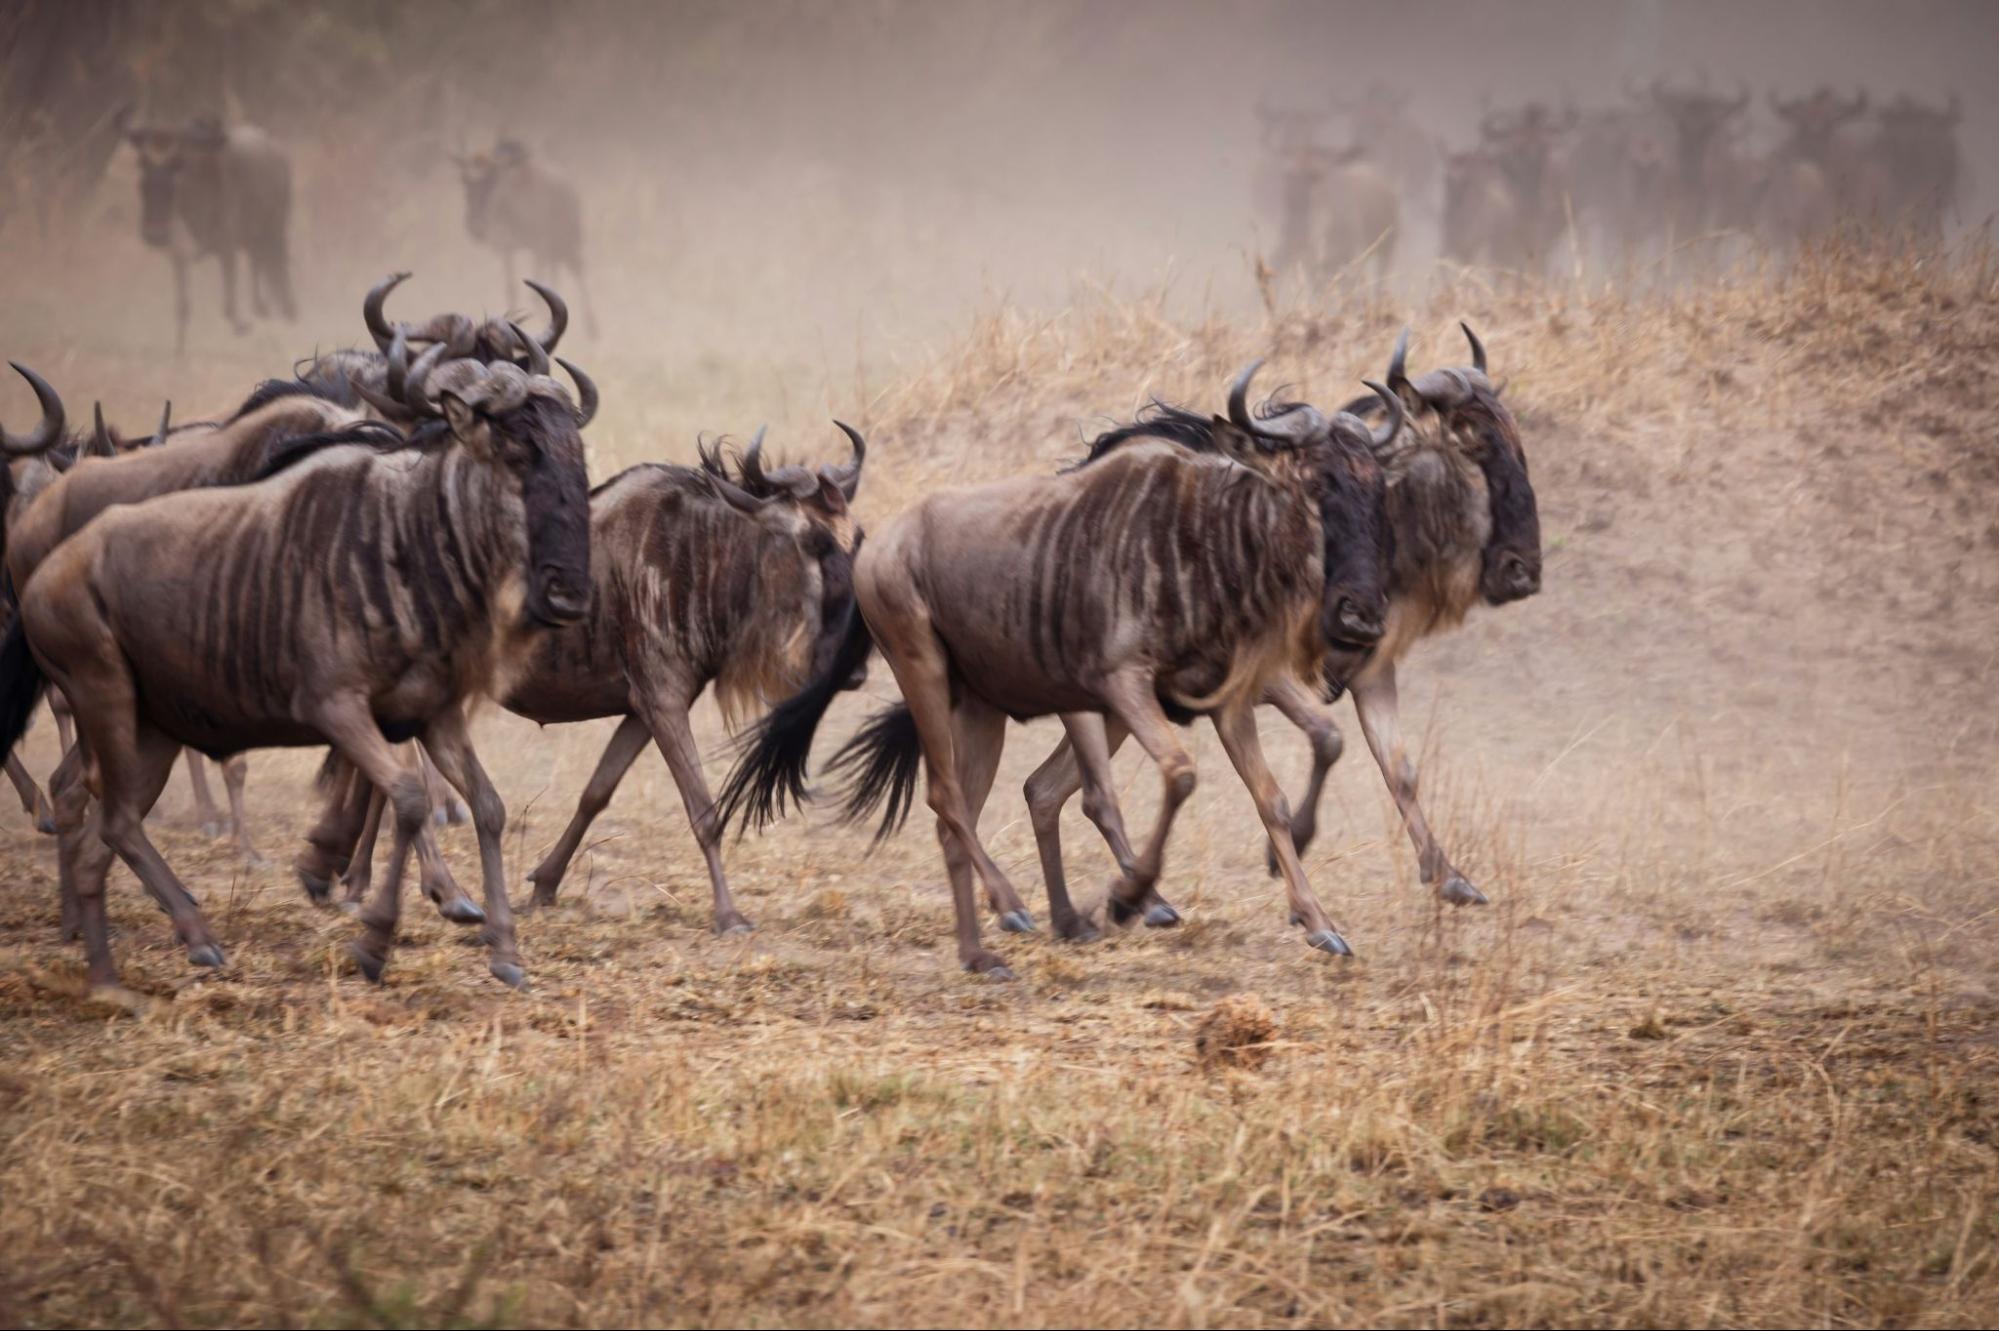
(1722, 1052)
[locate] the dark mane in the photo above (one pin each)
(1159, 420)
(324, 377)
(670, 470)
(281, 454)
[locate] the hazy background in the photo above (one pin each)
(829, 182)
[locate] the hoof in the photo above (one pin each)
(733, 925)
(510, 974)
(348, 906)
(45, 824)
(316, 889)
(456, 815)
(1017, 922)
(1328, 940)
(370, 964)
(1159, 915)
(461, 910)
(1461, 893)
(213, 830)
(990, 966)
(206, 954)
(1121, 912)
(1078, 930)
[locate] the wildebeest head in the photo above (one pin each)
(1814, 120)
(812, 507)
(522, 423)
(1345, 481)
(1456, 415)
(1699, 118)
(166, 156)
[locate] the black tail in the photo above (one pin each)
(775, 751)
(883, 757)
(22, 685)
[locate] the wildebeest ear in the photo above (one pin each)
(831, 495)
(458, 413)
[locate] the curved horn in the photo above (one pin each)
(43, 435)
(399, 364)
(1398, 363)
(101, 443)
(1239, 397)
(166, 421)
(414, 397)
(586, 394)
(1384, 434)
(558, 315)
(537, 355)
(737, 498)
(371, 309)
(848, 474)
(1477, 348)
(388, 406)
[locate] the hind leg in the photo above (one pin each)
(33, 802)
(348, 723)
(444, 803)
(204, 803)
(626, 744)
(1304, 711)
(235, 770)
(330, 844)
(65, 727)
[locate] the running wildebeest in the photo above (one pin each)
(1178, 573)
(357, 597)
(743, 582)
(1464, 528)
(515, 203)
(205, 189)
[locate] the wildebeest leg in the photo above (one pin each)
(626, 744)
(32, 800)
(74, 830)
(180, 304)
(666, 714)
(1237, 728)
(979, 734)
(1302, 710)
(330, 844)
(204, 803)
(448, 745)
(235, 770)
(227, 258)
(59, 709)
(133, 761)
(445, 806)
(255, 263)
(1096, 739)
(348, 724)
(438, 883)
(917, 660)
(1131, 698)
(1374, 699)
(360, 875)
(589, 305)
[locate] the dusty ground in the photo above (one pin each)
(1721, 1052)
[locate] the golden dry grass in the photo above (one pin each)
(1721, 1052)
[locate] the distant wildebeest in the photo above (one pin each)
(1181, 570)
(1464, 528)
(744, 582)
(1379, 118)
(513, 203)
(1336, 208)
(1714, 185)
(357, 597)
(1506, 201)
(1620, 167)
(1811, 182)
(205, 189)
(1910, 173)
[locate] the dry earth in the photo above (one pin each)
(1721, 1052)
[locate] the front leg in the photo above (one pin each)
(1130, 697)
(627, 742)
(1297, 705)
(1237, 729)
(450, 747)
(1374, 699)
(665, 712)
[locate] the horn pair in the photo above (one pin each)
(1239, 415)
(384, 332)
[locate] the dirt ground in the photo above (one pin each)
(1721, 1051)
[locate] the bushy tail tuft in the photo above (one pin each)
(883, 759)
(776, 750)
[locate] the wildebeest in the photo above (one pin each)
(208, 189)
(1910, 173)
(1186, 565)
(1621, 169)
(1713, 183)
(1335, 207)
(1505, 201)
(744, 582)
(1812, 179)
(513, 202)
(355, 598)
(18, 453)
(1463, 528)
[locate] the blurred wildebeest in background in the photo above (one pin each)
(1910, 173)
(1712, 180)
(1335, 207)
(513, 202)
(206, 188)
(1812, 179)
(1506, 201)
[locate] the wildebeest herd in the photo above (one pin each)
(1671, 167)
(357, 552)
